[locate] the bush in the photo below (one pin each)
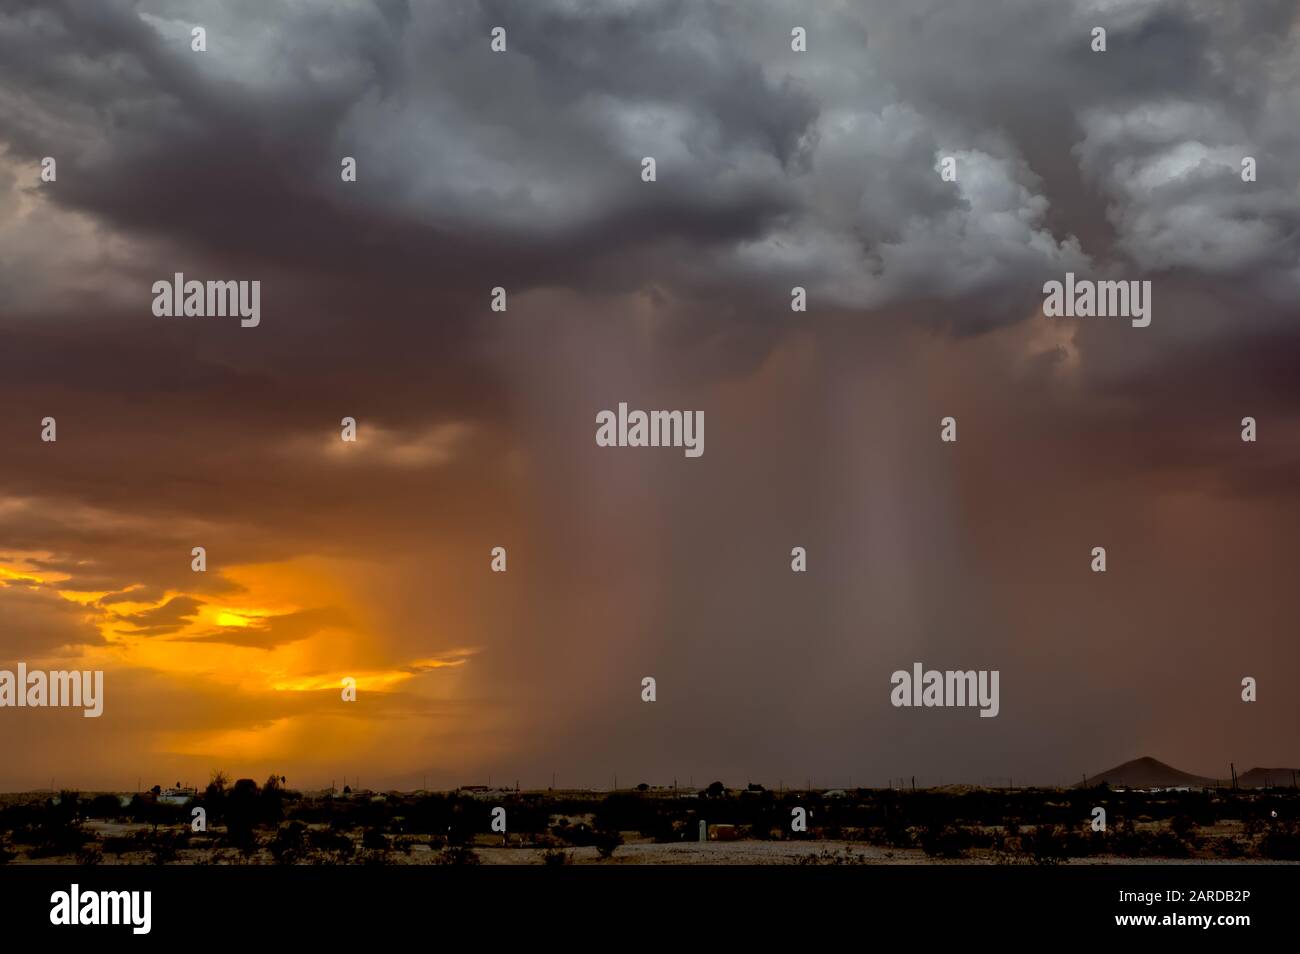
(893, 831)
(331, 840)
(554, 857)
(945, 841)
(163, 850)
(242, 811)
(56, 837)
(1166, 844)
(661, 828)
(1183, 826)
(1044, 845)
(607, 842)
(1280, 843)
(119, 844)
(1228, 848)
(68, 805)
(579, 836)
(289, 844)
(104, 806)
(828, 857)
(244, 840)
(89, 855)
(458, 855)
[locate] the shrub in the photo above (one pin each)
(1184, 826)
(458, 855)
(289, 843)
(1228, 847)
(945, 841)
(1166, 844)
(661, 828)
(104, 806)
(57, 837)
(244, 840)
(331, 840)
(1044, 845)
(118, 844)
(607, 842)
(1280, 843)
(89, 855)
(828, 857)
(163, 850)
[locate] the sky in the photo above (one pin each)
(475, 429)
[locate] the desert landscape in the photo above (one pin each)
(1150, 814)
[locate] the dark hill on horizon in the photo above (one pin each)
(1147, 772)
(1268, 778)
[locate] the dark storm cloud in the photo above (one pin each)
(197, 153)
(775, 168)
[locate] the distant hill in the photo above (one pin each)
(1147, 772)
(1270, 777)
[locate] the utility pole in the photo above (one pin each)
(913, 784)
(1233, 768)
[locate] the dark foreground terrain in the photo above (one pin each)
(246, 823)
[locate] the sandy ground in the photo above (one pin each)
(780, 853)
(640, 853)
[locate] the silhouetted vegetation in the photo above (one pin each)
(248, 823)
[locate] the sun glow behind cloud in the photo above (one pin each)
(273, 632)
